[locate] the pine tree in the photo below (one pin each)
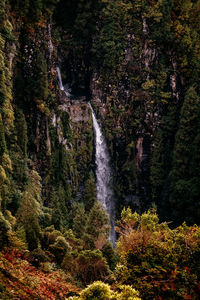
(161, 162)
(90, 192)
(97, 224)
(49, 6)
(35, 10)
(79, 221)
(29, 210)
(21, 128)
(2, 139)
(181, 185)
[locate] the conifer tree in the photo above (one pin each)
(21, 128)
(97, 224)
(29, 210)
(79, 221)
(185, 144)
(90, 192)
(2, 139)
(35, 10)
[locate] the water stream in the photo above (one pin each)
(62, 88)
(105, 192)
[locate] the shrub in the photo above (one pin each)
(38, 256)
(60, 248)
(96, 291)
(126, 292)
(91, 266)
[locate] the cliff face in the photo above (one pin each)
(41, 129)
(138, 65)
(135, 62)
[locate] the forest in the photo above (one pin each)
(133, 67)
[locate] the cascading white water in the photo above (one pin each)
(105, 192)
(61, 84)
(60, 79)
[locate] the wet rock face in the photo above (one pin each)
(130, 117)
(78, 110)
(11, 56)
(50, 44)
(139, 154)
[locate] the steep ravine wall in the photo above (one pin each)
(131, 108)
(50, 133)
(128, 66)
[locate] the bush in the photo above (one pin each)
(91, 266)
(126, 292)
(96, 291)
(5, 227)
(160, 261)
(37, 256)
(99, 290)
(60, 248)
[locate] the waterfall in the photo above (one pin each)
(62, 88)
(105, 192)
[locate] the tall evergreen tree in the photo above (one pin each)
(29, 210)
(79, 221)
(90, 192)
(97, 225)
(2, 139)
(181, 182)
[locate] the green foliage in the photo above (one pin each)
(100, 290)
(110, 255)
(184, 190)
(126, 292)
(30, 209)
(58, 201)
(97, 226)
(3, 148)
(8, 238)
(5, 74)
(86, 266)
(21, 235)
(5, 167)
(38, 256)
(49, 6)
(96, 291)
(49, 236)
(60, 248)
(41, 76)
(4, 229)
(33, 10)
(90, 192)
(159, 261)
(91, 266)
(79, 221)
(110, 45)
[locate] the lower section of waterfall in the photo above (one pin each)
(105, 192)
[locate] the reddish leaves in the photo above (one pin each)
(23, 281)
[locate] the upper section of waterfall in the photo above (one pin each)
(62, 88)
